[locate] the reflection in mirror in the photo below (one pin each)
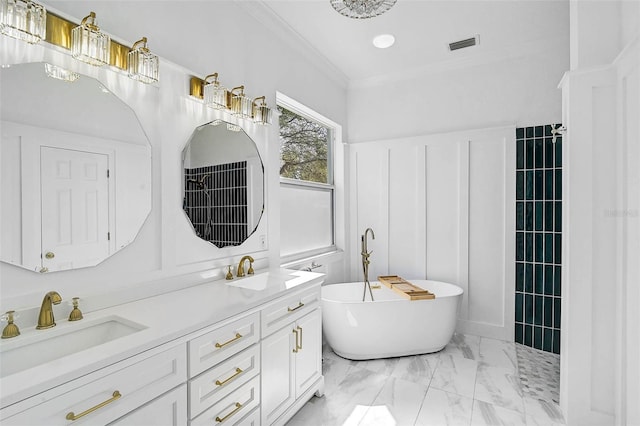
(223, 184)
(75, 170)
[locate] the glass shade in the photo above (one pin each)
(215, 96)
(233, 127)
(143, 65)
(23, 19)
(58, 73)
(241, 106)
(90, 45)
(362, 9)
(262, 114)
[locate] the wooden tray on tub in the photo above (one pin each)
(405, 288)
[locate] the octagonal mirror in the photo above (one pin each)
(223, 182)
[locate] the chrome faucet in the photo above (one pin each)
(45, 318)
(365, 261)
(240, 272)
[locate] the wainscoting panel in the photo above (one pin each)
(442, 208)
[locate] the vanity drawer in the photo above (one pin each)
(217, 345)
(169, 409)
(289, 308)
(218, 382)
(232, 409)
(110, 397)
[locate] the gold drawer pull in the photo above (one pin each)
(300, 328)
(300, 305)
(238, 372)
(238, 407)
(238, 336)
(295, 350)
(71, 416)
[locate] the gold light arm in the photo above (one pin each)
(220, 345)
(115, 396)
(92, 25)
(214, 76)
(143, 42)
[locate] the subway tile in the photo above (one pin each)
(548, 248)
(519, 337)
(538, 278)
(519, 307)
(556, 312)
(520, 133)
(528, 154)
(557, 249)
(528, 277)
(519, 246)
(548, 280)
(558, 184)
(520, 215)
(558, 152)
(528, 185)
(528, 246)
(539, 185)
(556, 341)
(539, 247)
(539, 216)
(548, 215)
(519, 185)
(538, 153)
(548, 152)
(520, 154)
(547, 130)
(537, 337)
(548, 312)
(548, 184)
(547, 340)
(529, 132)
(528, 309)
(520, 277)
(529, 216)
(539, 310)
(557, 281)
(528, 335)
(539, 131)
(558, 216)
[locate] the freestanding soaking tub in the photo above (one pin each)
(391, 325)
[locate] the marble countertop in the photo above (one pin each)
(165, 317)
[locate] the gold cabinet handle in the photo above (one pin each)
(238, 407)
(236, 374)
(300, 328)
(71, 416)
(220, 345)
(300, 305)
(295, 331)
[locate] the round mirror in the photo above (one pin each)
(75, 169)
(223, 184)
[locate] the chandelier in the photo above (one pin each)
(361, 9)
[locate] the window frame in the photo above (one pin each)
(334, 157)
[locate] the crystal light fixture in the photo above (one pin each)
(261, 112)
(90, 45)
(215, 96)
(361, 9)
(23, 19)
(59, 73)
(233, 127)
(241, 106)
(143, 65)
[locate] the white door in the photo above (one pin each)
(309, 355)
(277, 372)
(75, 208)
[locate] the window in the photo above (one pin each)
(307, 187)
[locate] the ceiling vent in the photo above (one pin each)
(461, 44)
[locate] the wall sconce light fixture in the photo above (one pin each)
(261, 112)
(143, 65)
(90, 45)
(23, 19)
(215, 96)
(241, 106)
(59, 73)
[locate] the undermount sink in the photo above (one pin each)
(36, 347)
(255, 282)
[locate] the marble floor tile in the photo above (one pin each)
(444, 409)
(464, 345)
(539, 373)
(488, 414)
(397, 404)
(498, 353)
(417, 368)
(543, 411)
(384, 366)
(499, 386)
(455, 375)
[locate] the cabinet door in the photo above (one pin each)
(169, 409)
(278, 363)
(309, 355)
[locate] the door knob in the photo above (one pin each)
(50, 255)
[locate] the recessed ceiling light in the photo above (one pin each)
(383, 41)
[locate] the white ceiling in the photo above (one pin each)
(423, 30)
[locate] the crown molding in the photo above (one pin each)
(262, 13)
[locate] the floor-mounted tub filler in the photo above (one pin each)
(391, 325)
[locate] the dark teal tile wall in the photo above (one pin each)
(538, 237)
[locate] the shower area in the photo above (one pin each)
(538, 237)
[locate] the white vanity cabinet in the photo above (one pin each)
(291, 355)
(106, 395)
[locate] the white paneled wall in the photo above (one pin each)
(442, 207)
